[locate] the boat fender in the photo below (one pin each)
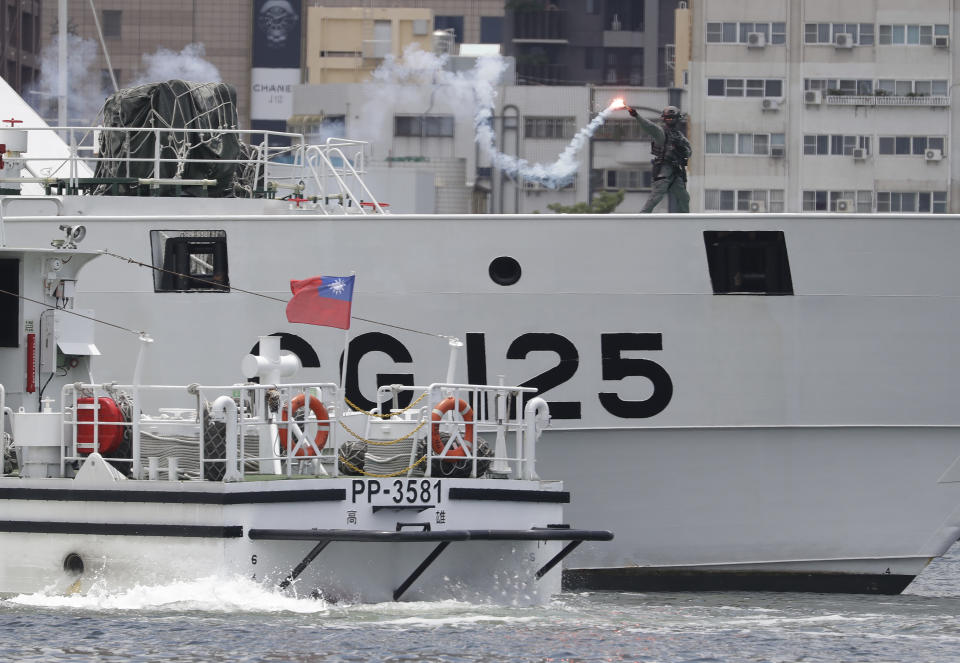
(109, 435)
(463, 408)
(323, 423)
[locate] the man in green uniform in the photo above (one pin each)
(671, 151)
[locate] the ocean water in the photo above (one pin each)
(237, 621)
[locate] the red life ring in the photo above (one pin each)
(109, 435)
(323, 423)
(463, 408)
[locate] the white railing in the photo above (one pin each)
(229, 432)
(280, 161)
(496, 416)
(880, 100)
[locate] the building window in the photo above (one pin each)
(629, 179)
(841, 86)
(834, 144)
(748, 262)
(623, 66)
(912, 201)
(728, 200)
(624, 15)
(491, 29)
(910, 145)
(745, 87)
(592, 6)
(910, 34)
(834, 201)
(549, 127)
(112, 20)
(421, 126)
(826, 33)
(447, 22)
(737, 33)
(189, 261)
(911, 88)
(621, 129)
(744, 143)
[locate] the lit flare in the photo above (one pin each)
(617, 104)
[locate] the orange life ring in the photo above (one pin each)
(323, 422)
(109, 435)
(445, 406)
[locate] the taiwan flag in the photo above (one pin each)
(321, 300)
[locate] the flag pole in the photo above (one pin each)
(346, 351)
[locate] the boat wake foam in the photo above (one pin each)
(211, 594)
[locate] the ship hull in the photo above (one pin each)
(744, 441)
(58, 537)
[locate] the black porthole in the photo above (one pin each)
(505, 270)
(73, 564)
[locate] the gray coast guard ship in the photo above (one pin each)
(759, 402)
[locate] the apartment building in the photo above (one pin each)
(576, 42)
(820, 106)
(20, 43)
(135, 28)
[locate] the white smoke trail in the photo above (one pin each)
(400, 81)
(86, 88)
(85, 91)
(189, 65)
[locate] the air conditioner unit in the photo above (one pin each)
(813, 97)
(756, 40)
(933, 155)
(758, 206)
(941, 42)
(843, 40)
(859, 153)
(846, 205)
(778, 151)
(770, 104)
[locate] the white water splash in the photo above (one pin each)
(211, 594)
(401, 81)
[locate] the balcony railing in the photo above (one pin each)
(546, 74)
(879, 100)
(548, 25)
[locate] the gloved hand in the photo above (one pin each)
(631, 111)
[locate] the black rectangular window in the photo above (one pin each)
(9, 303)
(112, 20)
(748, 262)
(445, 22)
(190, 261)
(491, 29)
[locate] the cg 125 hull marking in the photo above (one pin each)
(614, 365)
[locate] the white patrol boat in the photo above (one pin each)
(750, 401)
(110, 485)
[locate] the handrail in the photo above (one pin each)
(881, 100)
(280, 159)
(237, 416)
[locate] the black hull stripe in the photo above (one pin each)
(509, 495)
(122, 529)
(670, 580)
(171, 497)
